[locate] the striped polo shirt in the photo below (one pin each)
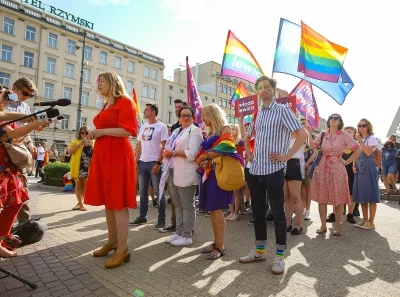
(274, 125)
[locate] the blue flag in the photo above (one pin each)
(287, 57)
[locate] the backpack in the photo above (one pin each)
(377, 156)
(30, 231)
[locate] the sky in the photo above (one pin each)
(174, 29)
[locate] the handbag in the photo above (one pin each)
(19, 155)
(229, 173)
(317, 159)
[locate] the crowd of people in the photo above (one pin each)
(282, 169)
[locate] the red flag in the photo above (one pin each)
(193, 96)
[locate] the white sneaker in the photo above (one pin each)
(235, 217)
(253, 256)
(307, 215)
(172, 238)
(228, 218)
(181, 241)
(279, 266)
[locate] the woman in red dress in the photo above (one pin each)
(112, 175)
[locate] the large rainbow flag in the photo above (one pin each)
(238, 61)
(319, 58)
(139, 117)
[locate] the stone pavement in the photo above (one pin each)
(359, 263)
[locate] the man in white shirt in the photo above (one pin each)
(41, 150)
(152, 138)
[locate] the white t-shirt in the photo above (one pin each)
(40, 153)
(371, 141)
(150, 137)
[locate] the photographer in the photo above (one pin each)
(22, 90)
(12, 192)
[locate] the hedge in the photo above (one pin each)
(55, 172)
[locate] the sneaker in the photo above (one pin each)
(296, 231)
(279, 266)
(207, 214)
(235, 217)
(350, 218)
(160, 225)
(138, 221)
(368, 226)
(270, 217)
(253, 256)
(228, 212)
(155, 203)
(228, 218)
(331, 218)
(181, 241)
(360, 225)
(307, 215)
(172, 238)
(169, 228)
(251, 223)
(247, 204)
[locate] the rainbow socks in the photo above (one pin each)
(260, 249)
(280, 253)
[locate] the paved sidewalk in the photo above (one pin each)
(359, 263)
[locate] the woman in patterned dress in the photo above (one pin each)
(329, 183)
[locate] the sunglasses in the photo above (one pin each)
(25, 93)
(86, 133)
(362, 125)
(334, 118)
(188, 116)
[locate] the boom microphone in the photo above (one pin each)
(59, 102)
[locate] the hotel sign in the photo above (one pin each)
(60, 13)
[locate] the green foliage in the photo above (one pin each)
(55, 172)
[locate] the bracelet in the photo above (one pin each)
(174, 154)
(159, 163)
(28, 142)
(206, 157)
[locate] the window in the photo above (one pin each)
(30, 33)
(146, 71)
(117, 62)
(170, 100)
(213, 100)
(68, 93)
(8, 26)
(224, 103)
(51, 65)
(229, 90)
(65, 122)
(236, 121)
(5, 79)
(131, 66)
(52, 40)
(69, 70)
(153, 93)
(71, 47)
(103, 58)
(220, 101)
(86, 75)
(99, 102)
(206, 98)
(6, 53)
(48, 90)
(88, 52)
(154, 74)
(59, 145)
(28, 59)
(83, 122)
(85, 98)
(145, 91)
(220, 87)
(181, 90)
(169, 116)
(170, 88)
(224, 89)
(129, 86)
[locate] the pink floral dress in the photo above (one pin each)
(329, 183)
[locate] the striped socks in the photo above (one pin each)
(280, 253)
(260, 249)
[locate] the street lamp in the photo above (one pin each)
(79, 109)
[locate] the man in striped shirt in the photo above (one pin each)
(272, 129)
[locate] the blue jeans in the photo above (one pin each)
(144, 179)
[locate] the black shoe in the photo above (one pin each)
(138, 221)
(350, 219)
(169, 201)
(331, 218)
(247, 204)
(155, 204)
(289, 229)
(160, 224)
(251, 223)
(40, 181)
(169, 228)
(270, 217)
(296, 231)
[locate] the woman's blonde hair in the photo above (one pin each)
(238, 137)
(114, 85)
(216, 116)
(81, 129)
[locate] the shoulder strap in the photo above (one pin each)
(322, 138)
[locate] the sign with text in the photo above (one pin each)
(246, 106)
(289, 101)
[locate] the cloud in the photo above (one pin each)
(110, 2)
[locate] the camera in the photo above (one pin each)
(49, 114)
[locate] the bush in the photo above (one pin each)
(54, 173)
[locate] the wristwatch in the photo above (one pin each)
(174, 154)
(159, 163)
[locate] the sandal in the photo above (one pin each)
(212, 256)
(208, 249)
(82, 208)
(336, 232)
(77, 207)
(321, 230)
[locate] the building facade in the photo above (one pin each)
(47, 49)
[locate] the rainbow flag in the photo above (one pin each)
(238, 61)
(240, 92)
(318, 57)
(139, 117)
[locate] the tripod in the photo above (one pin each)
(10, 274)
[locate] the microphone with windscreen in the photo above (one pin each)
(59, 102)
